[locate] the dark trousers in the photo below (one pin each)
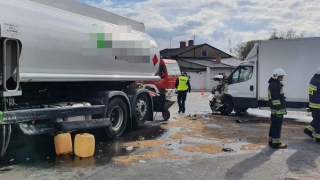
(315, 123)
(182, 96)
(275, 127)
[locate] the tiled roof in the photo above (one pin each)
(177, 51)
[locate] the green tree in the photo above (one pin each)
(242, 50)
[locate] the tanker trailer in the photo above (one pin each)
(68, 66)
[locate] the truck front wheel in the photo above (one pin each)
(227, 107)
(117, 111)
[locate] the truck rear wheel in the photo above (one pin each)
(117, 111)
(141, 110)
(227, 107)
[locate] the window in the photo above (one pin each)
(204, 53)
(242, 74)
(173, 69)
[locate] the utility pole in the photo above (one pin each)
(194, 39)
(170, 42)
(230, 45)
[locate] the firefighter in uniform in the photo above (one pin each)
(277, 106)
(183, 86)
(314, 106)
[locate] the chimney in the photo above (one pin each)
(218, 58)
(190, 43)
(182, 44)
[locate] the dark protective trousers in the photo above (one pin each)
(315, 123)
(275, 127)
(182, 96)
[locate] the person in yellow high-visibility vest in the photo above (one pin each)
(182, 86)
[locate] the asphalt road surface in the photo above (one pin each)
(194, 145)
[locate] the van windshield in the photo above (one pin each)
(173, 69)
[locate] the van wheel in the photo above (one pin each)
(117, 111)
(227, 107)
(141, 110)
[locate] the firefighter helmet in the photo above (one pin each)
(278, 72)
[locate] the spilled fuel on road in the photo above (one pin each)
(40, 151)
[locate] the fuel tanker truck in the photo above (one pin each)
(68, 66)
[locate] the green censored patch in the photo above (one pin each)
(99, 37)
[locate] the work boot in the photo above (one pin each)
(179, 112)
(308, 132)
(279, 146)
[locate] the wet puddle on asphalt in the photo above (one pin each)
(39, 150)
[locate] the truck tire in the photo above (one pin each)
(227, 107)
(117, 111)
(140, 110)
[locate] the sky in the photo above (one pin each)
(220, 23)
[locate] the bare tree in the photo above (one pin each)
(287, 34)
(242, 50)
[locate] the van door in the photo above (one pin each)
(241, 86)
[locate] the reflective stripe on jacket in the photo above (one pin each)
(314, 93)
(276, 97)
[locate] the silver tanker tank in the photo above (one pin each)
(64, 40)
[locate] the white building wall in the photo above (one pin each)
(197, 80)
(202, 80)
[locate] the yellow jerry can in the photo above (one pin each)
(63, 143)
(84, 145)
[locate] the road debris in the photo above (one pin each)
(239, 121)
(129, 148)
(142, 161)
(227, 149)
(9, 168)
(141, 138)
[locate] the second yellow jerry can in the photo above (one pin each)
(84, 145)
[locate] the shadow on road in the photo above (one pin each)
(237, 171)
(305, 156)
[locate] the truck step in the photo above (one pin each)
(80, 125)
(37, 129)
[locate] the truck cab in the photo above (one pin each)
(168, 71)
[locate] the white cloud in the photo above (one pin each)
(215, 21)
